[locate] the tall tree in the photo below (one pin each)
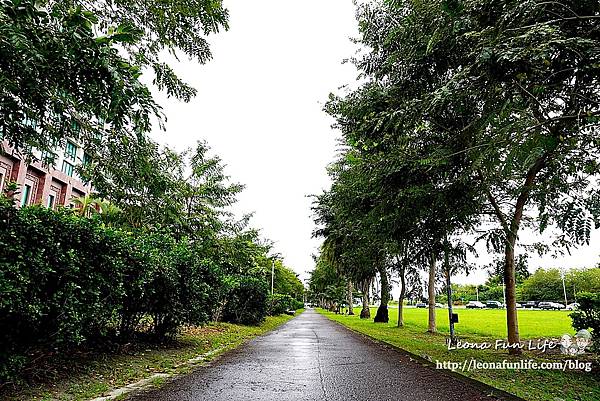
(532, 72)
(352, 243)
(365, 285)
(382, 314)
(431, 326)
(504, 94)
(71, 69)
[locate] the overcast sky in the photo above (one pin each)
(259, 106)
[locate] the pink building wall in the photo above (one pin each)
(45, 182)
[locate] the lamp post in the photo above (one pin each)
(273, 258)
(562, 275)
(272, 276)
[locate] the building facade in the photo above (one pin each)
(50, 186)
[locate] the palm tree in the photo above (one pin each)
(109, 213)
(86, 206)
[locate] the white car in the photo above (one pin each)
(573, 306)
(550, 305)
(439, 305)
(475, 305)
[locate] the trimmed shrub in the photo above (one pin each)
(67, 280)
(246, 300)
(588, 316)
(280, 303)
(60, 282)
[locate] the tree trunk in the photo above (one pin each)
(375, 291)
(350, 298)
(401, 298)
(365, 313)
(449, 293)
(431, 293)
(382, 312)
(512, 322)
(511, 231)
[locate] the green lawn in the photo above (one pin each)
(83, 376)
(487, 326)
(490, 322)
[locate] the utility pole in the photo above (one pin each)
(272, 276)
(477, 291)
(562, 275)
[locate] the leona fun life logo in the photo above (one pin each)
(577, 344)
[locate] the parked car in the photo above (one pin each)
(475, 305)
(439, 305)
(519, 305)
(531, 304)
(493, 304)
(573, 306)
(421, 305)
(550, 305)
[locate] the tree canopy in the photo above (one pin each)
(72, 69)
(474, 117)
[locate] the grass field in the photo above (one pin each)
(81, 377)
(487, 326)
(490, 322)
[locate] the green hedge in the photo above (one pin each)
(66, 280)
(246, 300)
(587, 316)
(280, 303)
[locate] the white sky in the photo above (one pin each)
(259, 106)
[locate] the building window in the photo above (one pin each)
(50, 201)
(71, 151)
(87, 159)
(26, 194)
(67, 168)
(48, 158)
(1, 181)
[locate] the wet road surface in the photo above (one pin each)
(313, 358)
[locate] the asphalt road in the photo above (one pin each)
(313, 358)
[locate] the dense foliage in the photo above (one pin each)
(72, 69)
(588, 316)
(246, 300)
(547, 285)
(474, 118)
(282, 303)
(67, 280)
(326, 287)
(155, 246)
(286, 282)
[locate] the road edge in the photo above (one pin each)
(202, 360)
